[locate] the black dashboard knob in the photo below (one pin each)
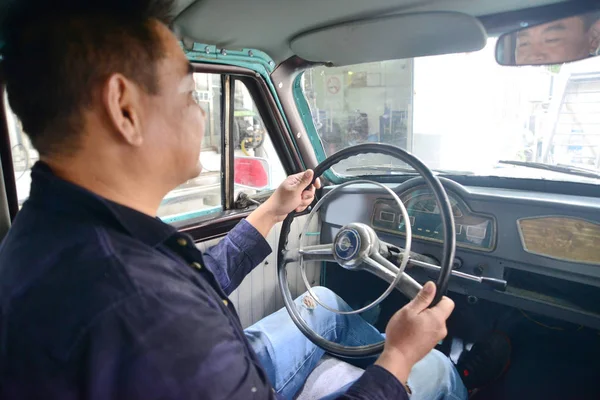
(479, 269)
(457, 264)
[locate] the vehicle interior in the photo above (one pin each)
(446, 155)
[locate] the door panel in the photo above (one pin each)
(259, 294)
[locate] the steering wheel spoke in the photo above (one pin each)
(387, 271)
(318, 249)
(319, 252)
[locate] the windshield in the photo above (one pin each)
(462, 114)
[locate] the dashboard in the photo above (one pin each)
(546, 246)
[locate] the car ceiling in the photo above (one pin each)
(270, 25)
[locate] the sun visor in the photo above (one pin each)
(391, 37)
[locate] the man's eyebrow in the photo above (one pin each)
(556, 27)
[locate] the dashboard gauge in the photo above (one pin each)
(473, 230)
(426, 203)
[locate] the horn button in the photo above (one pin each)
(353, 244)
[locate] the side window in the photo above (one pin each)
(257, 166)
(201, 195)
(23, 153)
(196, 197)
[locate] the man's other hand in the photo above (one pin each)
(414, 331)
(293, 194)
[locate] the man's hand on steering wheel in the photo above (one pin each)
(414, 331)
(295, 193)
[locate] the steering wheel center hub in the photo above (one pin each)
(347, 245)
(353, 243)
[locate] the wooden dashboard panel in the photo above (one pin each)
(562, 238)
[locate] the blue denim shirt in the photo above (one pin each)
(99, 301)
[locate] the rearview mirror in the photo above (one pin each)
(554, 42)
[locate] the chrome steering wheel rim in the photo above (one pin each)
(446, 260)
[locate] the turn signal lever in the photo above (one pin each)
(419, 260)
(496, 284)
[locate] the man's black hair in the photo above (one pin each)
(56, 51)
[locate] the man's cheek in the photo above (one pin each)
(200, 124)
(202, 131)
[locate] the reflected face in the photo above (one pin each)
(554, 42)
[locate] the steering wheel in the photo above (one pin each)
(357, 247)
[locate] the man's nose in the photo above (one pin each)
(537, 53)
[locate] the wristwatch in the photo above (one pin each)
(408, 391)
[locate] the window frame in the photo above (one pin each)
(8, 172)
(218, 223)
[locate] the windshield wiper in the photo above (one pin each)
(407, 170)
(390, 168)
(565, 169)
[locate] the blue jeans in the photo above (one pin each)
(289, 357)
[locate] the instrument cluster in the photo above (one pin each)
(473, 230)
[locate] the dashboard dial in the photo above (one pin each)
(426, 203)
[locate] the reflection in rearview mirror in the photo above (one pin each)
(555, 42)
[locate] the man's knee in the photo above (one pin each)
(324, 295)
(435, 373)
(438, 364)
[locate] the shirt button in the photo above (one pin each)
(225, 302)
(182, 242)
(197, 265)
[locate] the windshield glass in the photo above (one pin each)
(462, 114)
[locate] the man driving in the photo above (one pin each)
(568, 39)
(102, 300)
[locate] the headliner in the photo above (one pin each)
(270, 25)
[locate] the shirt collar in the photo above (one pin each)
(54, 194)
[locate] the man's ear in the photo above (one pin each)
(594, 35)
(122, 101)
